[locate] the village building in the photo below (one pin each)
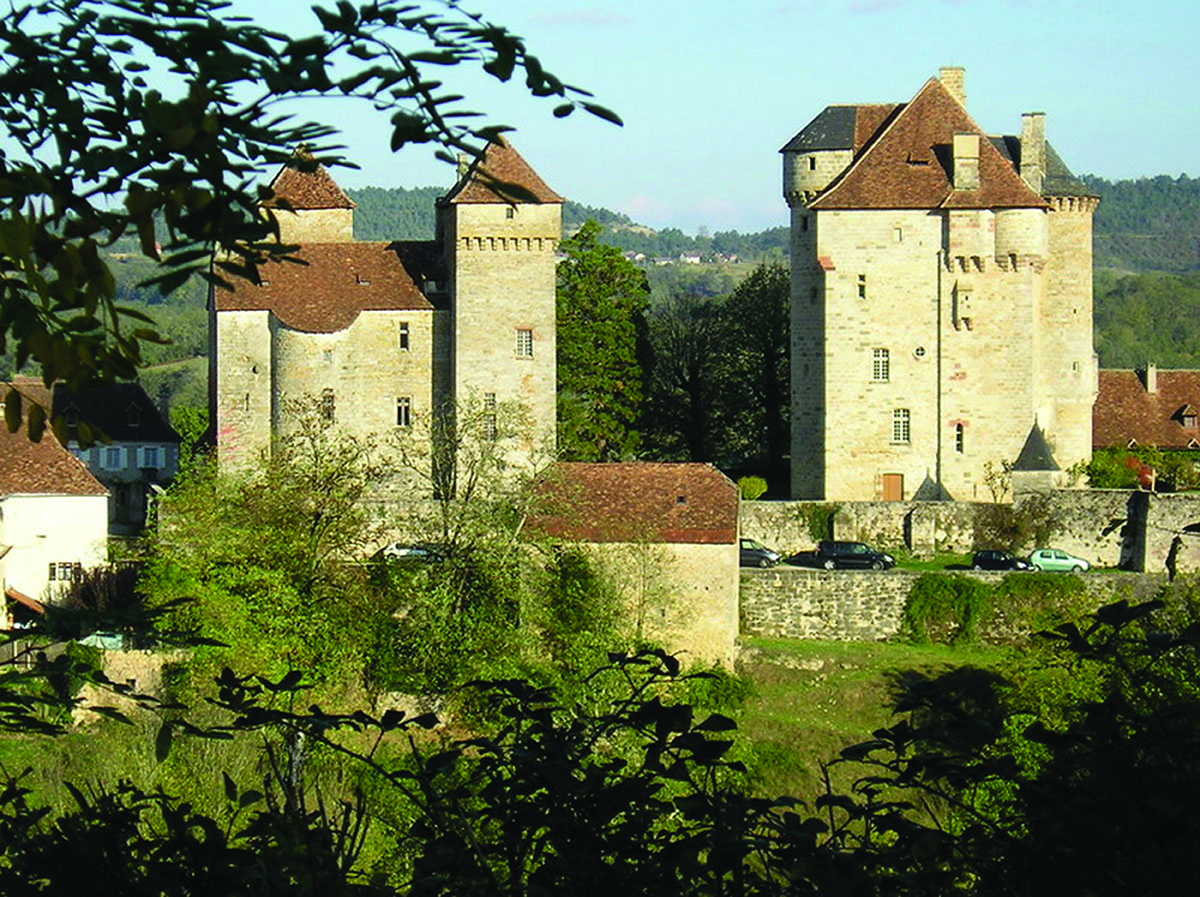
(130, 447)
(941, 299)
(665, 536)
(1149, 407)
(53, 520)
(374, 338)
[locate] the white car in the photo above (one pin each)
(1056, 560)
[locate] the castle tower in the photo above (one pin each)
(940, 299)
(500, 227)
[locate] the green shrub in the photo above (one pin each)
(818, 519)
(1031, 602)
(944, 609)
(752, 488)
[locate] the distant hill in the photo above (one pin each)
(1147, 224)
(402, 214)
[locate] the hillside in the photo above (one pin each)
(1148, 224)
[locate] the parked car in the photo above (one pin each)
(403, 551)
(754, 554)
(1057, 560)
(832, 555)
(998, 559)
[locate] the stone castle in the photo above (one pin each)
(373, 336)
(941, 300)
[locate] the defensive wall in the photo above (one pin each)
(851, 605)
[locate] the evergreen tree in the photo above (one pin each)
(602, 302)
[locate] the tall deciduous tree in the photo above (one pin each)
(158, 118)
(684, 389)
(602, 302)
(757, 359)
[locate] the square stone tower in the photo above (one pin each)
(941, 299)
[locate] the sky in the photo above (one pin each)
(709, 91)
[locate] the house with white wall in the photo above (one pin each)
(53, 518)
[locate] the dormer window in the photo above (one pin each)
(1188, 416)
(1189, 421)
(134, 416)
(72, 415)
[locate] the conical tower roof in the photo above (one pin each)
(1036, 454)
(301, 189)
(500, 175)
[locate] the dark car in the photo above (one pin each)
(998, 559)
(754, 554)
(833, 555)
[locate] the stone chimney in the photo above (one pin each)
(966, 161)
(1151, 378)
(1033, 149)
(953, 78)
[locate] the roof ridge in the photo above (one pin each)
(874, 180)
(877, 139)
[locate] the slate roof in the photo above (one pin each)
(122, 411)
(637, 502)
(500, 165)
(841, 128)
(908, 165)
(1035, 453)
(41, 468)
(1125, 411)
(1058, 179)
(300, 189)
(337, 281)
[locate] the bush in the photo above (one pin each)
(944, 609)
(752, 488)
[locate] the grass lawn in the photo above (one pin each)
(810, 699)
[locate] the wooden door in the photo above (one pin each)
(893, 487)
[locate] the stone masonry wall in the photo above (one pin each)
(847, 605)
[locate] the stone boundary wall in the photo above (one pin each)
(850, 605)
(1129, 530)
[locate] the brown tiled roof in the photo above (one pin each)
(637, 502)
(314, 189)
(21, 598)
(868, 119)
(908, 164)
(1125, 411)
(338, 281)
(501, 165)
(41, 468)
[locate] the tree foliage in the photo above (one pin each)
(718, 383)
(602, 301)
(157, 119)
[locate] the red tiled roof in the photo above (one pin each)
(907, 165)
(40, 468)
(338, 281)
(500, 165)
(21, 598)
(314, 189)
(1125, 411)
(637, 502)
(868, 118)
